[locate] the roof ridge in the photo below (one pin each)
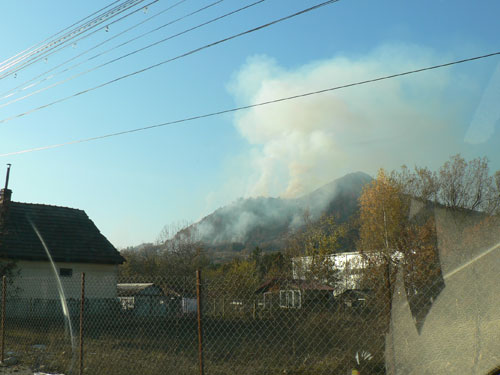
(47, 205)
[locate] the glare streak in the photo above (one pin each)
(60, 290)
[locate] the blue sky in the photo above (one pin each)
(133, 185)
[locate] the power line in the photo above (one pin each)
(255, 105)
(12, 92)
(199, 49)
(77, 30)
(81, 28)
(20, 88)
(135, 51)
(61, 43)
(54, 47)
(59, 32)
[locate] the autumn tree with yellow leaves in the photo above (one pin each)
(398, 229)
(392, 239)
(311, 249)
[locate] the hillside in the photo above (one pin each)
(265, 222)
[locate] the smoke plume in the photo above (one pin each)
(301, 144)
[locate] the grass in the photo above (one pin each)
(290, 343)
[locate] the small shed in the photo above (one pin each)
(356, 300)
(289, 293)
(148, 299)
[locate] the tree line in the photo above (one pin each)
(395, 228)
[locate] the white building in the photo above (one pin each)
(32, 234)
(349, 266)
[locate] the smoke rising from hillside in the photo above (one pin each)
(299, 145)
(266, 221)
(236, 221)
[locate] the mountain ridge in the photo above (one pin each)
(266, 221)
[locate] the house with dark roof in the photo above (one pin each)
(291, 293)
(45, 241)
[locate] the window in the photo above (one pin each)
(290, 299)
(65, 272)
(128, 303)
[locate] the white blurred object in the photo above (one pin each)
(482, 126)
(363, 356)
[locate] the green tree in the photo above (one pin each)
(231, 286)
(310, 250)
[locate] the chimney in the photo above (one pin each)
(6, 193)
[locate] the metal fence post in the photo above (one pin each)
(82, 309)
(4, 292)
(390, 359)
(200, 328)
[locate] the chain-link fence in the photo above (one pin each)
(217, 323)
(156, 325)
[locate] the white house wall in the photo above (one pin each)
(349, 266)
(37, 280)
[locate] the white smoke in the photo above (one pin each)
(298, 145)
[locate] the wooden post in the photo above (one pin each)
(200, 328)
(82, 310)
(2, 340)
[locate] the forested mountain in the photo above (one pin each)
(398, 212)
(265, 222)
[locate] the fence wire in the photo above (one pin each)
(281, 325)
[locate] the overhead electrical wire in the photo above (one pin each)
(46, 42)
(20, 87)
(59, 32)
(132, 52)
(62, 43)
(78, 29)
(191, 52)
(255, 105)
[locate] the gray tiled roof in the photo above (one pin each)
(68, 233)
